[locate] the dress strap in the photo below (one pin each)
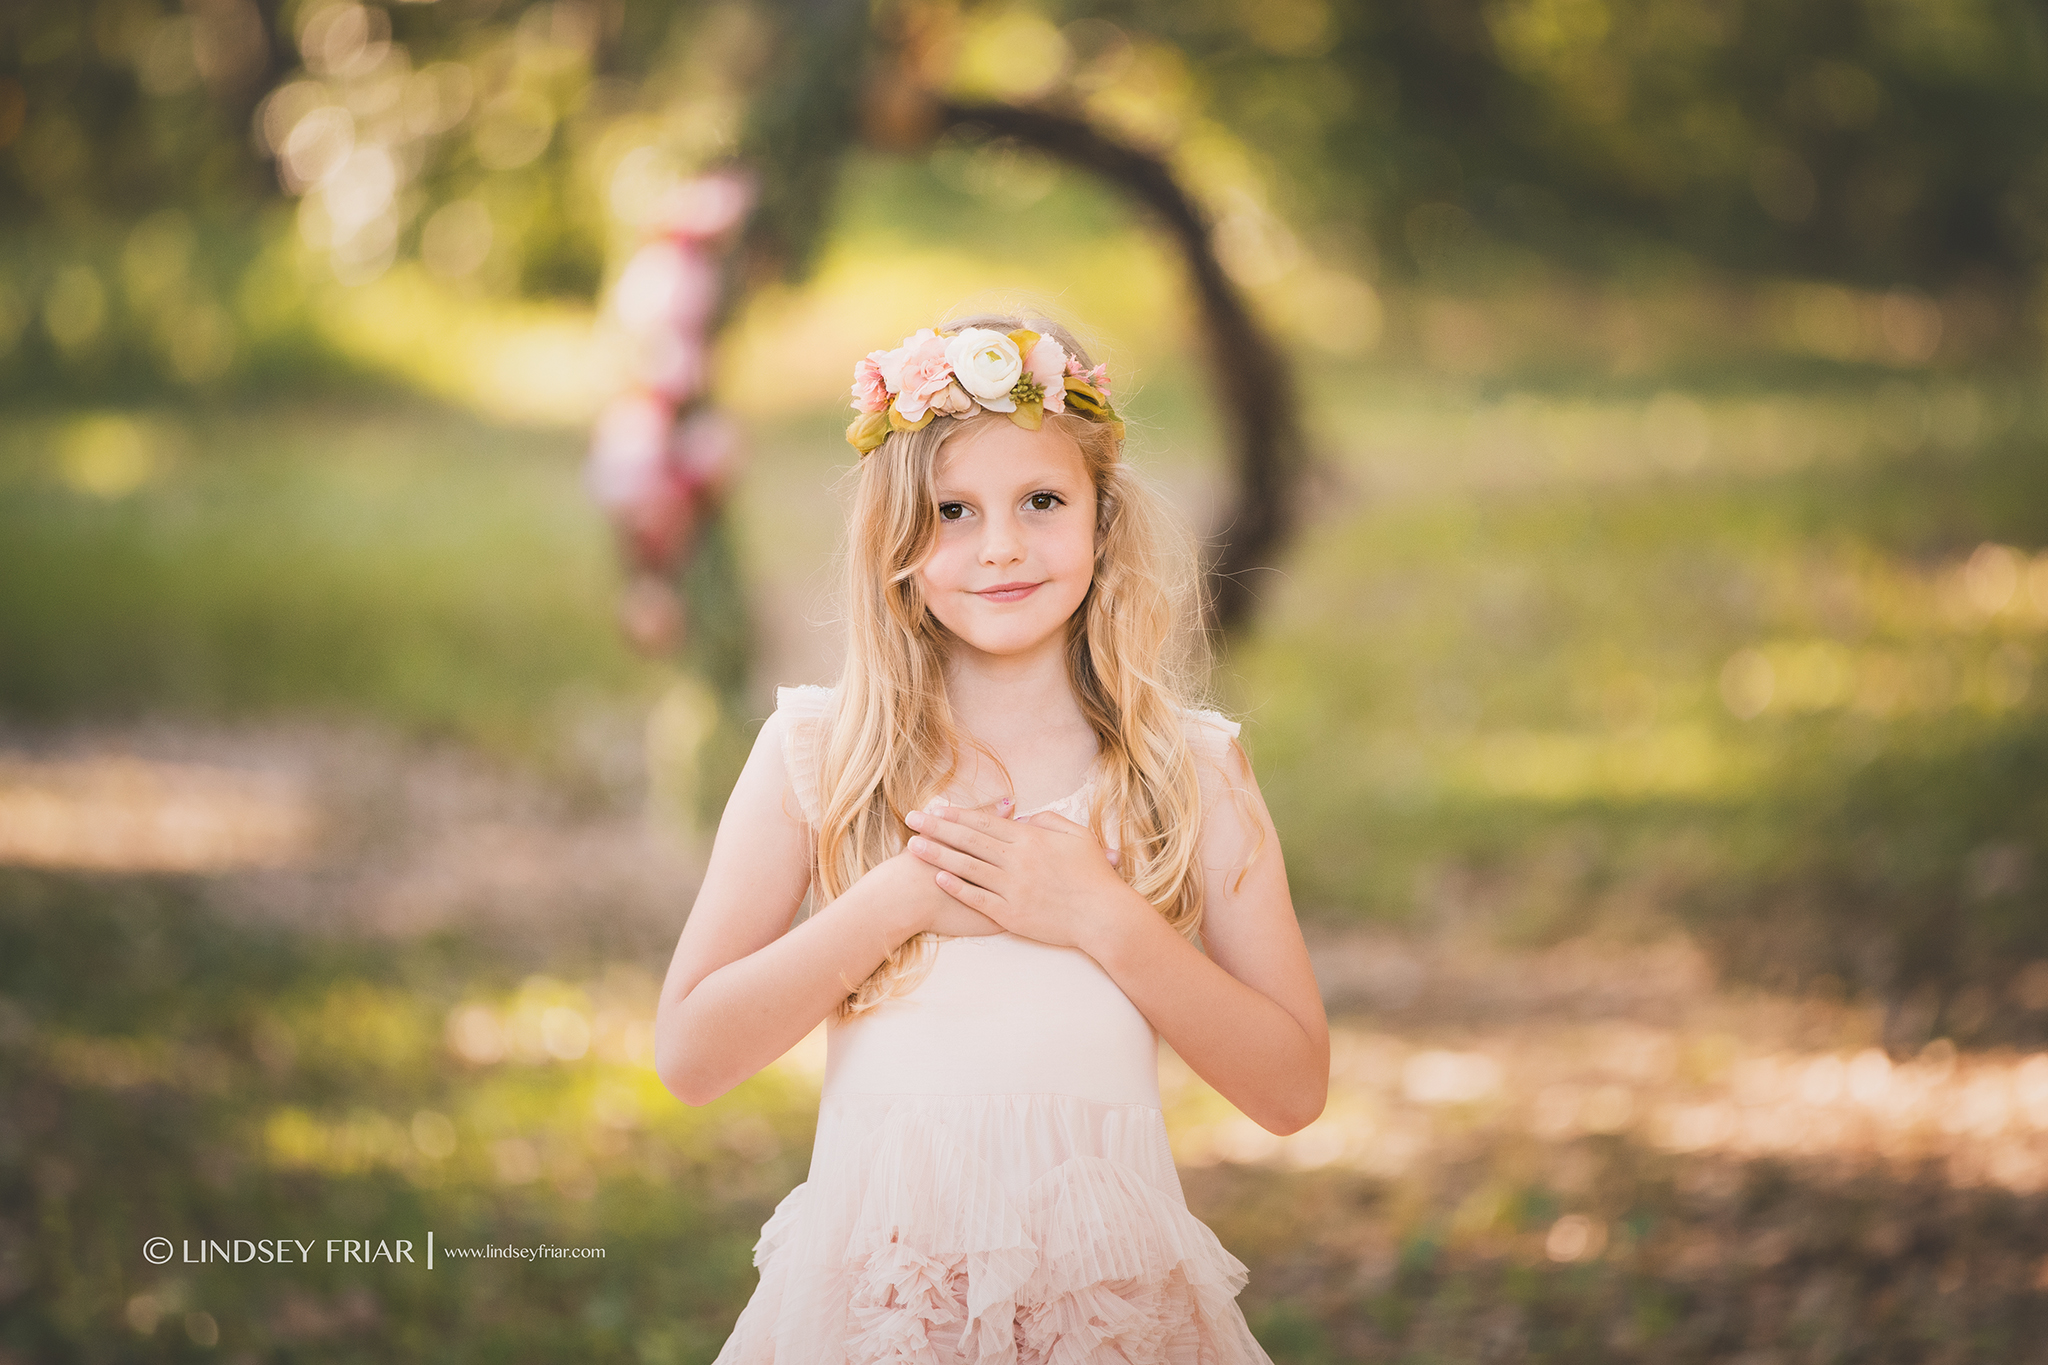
(806, 712)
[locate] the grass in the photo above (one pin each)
(1523, 672)
(1493, 679)
(1761, 656)
(405, 563)
(1764, 659)
(171, 1076)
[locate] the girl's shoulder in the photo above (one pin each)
(804, 712)
(1223, 773)
(1209, 732)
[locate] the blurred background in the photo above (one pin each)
(1643, 595)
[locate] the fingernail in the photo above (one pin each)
(1005, 804)
(915, 819)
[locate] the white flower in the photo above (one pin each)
(987, 364)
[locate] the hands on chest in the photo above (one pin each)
(1043, 877)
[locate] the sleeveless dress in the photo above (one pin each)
(991, 1180)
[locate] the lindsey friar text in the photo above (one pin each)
(291, 1251)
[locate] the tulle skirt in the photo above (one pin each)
(1002, 1229)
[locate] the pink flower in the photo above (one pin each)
(665, 288)
(1097, 378)
(870, 390)
(627, 451)
(1047, 366)
(674, 363)
(705, 450)
(892, 361)
(917, 373)
(705, 208)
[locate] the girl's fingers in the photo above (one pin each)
(1060, 824)
(967, 893)
(1046, 819)
(954, 834)
(952, 860)
(997, 827)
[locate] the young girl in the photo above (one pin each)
(1013, 829)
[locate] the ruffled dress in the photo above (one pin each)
(991, 1180)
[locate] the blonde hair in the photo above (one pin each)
(1135, 657)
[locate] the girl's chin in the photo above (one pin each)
(1015, 638)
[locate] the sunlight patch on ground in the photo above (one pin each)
(1397, 1102)
(119, 814)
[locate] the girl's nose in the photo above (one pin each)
(1002, 542)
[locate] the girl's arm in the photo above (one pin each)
(1247, 1017)
(744, 987)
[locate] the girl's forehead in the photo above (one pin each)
(1001, 453)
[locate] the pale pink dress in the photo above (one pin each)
(991, 1180)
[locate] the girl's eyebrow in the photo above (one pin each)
(1054, 483)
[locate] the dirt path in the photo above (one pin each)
(1440, 1043)
(351, 831)
(1593, 1151)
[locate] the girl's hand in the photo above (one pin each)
(909, 884)
(1044, 878)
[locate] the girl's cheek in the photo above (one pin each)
(942, 569)
(1081, 554)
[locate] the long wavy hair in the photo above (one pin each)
(1135, 658)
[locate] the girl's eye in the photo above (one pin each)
(1043, 502)
(952, 511)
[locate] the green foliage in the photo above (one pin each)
(167, 177)
(1291, 1336)
(513, 150)
(1873, 140)
(409, 564)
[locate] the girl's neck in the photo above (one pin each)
(1012, 699)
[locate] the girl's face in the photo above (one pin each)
(1016, 544)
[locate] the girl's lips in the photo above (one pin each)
(1008, 592)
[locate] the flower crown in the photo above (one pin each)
(948, 374)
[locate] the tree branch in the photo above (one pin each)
(1249, 375)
